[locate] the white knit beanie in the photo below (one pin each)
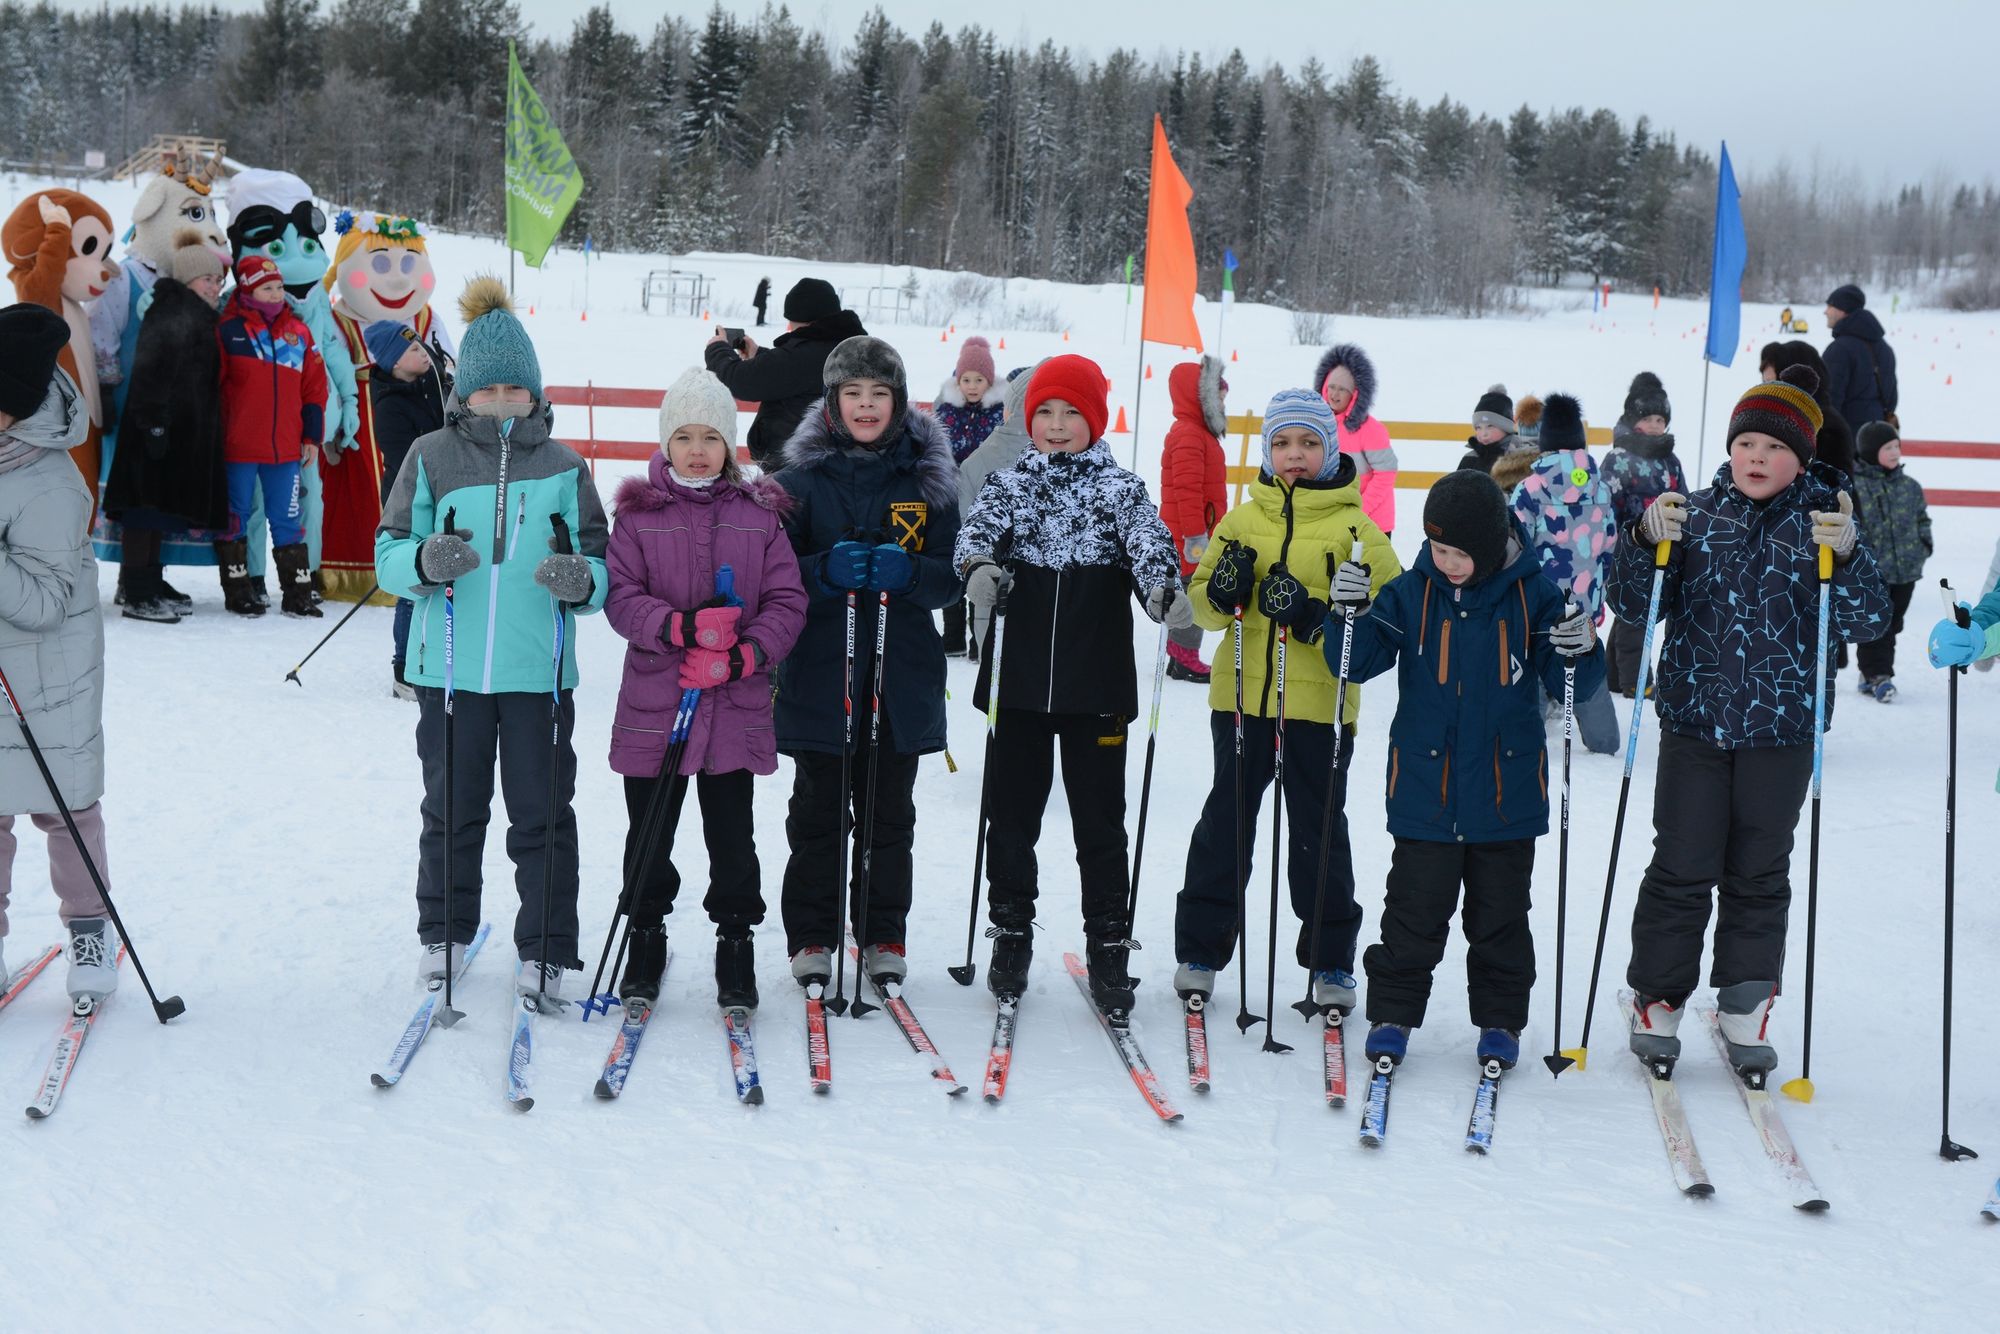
(698, 399)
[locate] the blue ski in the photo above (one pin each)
(399, 1060)
(1375, 1115)
(742, 1056)
(1485, 1101)
(521, 1054)
(624, 1047)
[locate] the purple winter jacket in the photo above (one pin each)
(666, 545)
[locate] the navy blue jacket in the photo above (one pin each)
(906, 491)
(1468, 759)
(1740, 610)
(1854, 387)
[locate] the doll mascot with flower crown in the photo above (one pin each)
(381, 271)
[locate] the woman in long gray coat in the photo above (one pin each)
(51, 635)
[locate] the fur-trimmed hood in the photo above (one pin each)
(1513, 467)
(920, 436)
(656, 491)
(995, 395)
(1362, 369)
(1195, 389)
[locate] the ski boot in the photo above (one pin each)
(431, 964)
(1333, 990)
(1111, 984)
(1745, 1013)
(1500, 1044)
(1013, 951)
(1884, 689)
(813, 966)
(645, 961)
(93, 962)
(735, 969)
(885, 964)
(1655, 1039)
(541, 984)
(295, 581)
(1388, 1040)
(1196, 983)
(1185, 664)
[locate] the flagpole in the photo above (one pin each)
(506, 142)
(1139, 382)
(1701, 450)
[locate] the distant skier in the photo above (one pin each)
(1740, 612)
(692, 515)
(1640, 465)
(1075, 537)
(762, 299)
(969, 407)
(1476, 631)
(1892, 504)
(1194, 488)
(52, 649)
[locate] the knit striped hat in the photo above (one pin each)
(1302, 407)
(1783, 409)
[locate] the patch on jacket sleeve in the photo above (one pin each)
(906, 523)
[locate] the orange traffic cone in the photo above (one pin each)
(1232, 354)
(1947, 380)
(1149, 370)
(583, 315)
(1065, 335)
(1003, 345)
(942, 336)
(531, 309)
(954, 328)
(1121, 428)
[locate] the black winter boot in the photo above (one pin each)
(1013, 951)
(735, 968)
(232, 560)
(645, 962)
(1111, 986)
(295, 588)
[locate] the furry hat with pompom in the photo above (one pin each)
(1562, 423)
(1647, 398)
(1528, 416)
(194, 257)
(495, 349)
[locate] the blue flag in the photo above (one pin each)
(1725, 278)
(1228, 260)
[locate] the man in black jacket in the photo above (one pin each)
(784, 380)
(1860, 364)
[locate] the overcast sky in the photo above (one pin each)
(1896, 89)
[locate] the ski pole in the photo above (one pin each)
(964, 973)
(1245, 1020)
(1802, 1087)
(163, 1010)
(1579, 1055)
(1555, 1060)
(1948, 1149)
(861, 1006)
(293, 675)
(1271, 1043)
(1146, 782)
(1307, 1008)
(838, 1001)
(447, 1015)
(563, 547)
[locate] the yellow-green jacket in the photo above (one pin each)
(1302, 526)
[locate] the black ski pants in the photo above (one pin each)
(1092, 746)
(811, 895)
(1422, 895)
(1205, 927)
(727, 827)
(513, 728)
(1877, 657)
(1720, 817)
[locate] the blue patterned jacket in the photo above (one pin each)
(1740, 611)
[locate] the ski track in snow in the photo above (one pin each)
(262, 849)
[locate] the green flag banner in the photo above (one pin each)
(543, 180)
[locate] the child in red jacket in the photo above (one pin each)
(274, 392)
(1194, 492)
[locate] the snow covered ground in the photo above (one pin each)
(236, 1171)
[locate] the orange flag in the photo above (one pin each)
(1170, 273)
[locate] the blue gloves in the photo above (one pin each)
(1955, 645)
(846, 566)
(891, 570)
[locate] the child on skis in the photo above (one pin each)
(1075, 537)
(1640, 465)
(50, 623)
(469, 533)
(1891, 503)
(1345, 378)
(1739, 605)
(1492, 431)
(1194, 488)
(1566, 509)
(874, 511)
(1477, 631)
(969, 407)
(274, 393)
(1272, 562)
(408, 390)
(691, 517)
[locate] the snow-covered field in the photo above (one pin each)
(236, 1170)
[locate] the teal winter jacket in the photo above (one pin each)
(502, 486)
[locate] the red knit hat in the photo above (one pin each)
(254, 270)
(1078, 382)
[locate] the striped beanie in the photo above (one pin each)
(1302, 407)
(1783, 409)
